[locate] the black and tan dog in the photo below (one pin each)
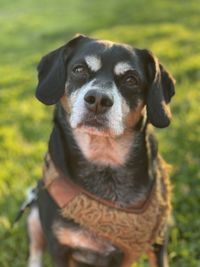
(104, 199)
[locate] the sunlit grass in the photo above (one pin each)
(30, 29)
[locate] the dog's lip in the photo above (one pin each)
(94, 122)
(97, 121)
(94, 126)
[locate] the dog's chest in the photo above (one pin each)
(117, 185)
(133, 230)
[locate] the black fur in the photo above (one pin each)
(52, 73)
(160, 92)
(124, 184)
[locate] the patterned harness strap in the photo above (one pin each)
(63, 190)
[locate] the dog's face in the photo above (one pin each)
(105, 86)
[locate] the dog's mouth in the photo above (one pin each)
(94, 122)
(95, 125)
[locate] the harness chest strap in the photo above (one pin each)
(63, 190)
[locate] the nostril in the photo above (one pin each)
(106, 102)
(90, 99)
(97, 102)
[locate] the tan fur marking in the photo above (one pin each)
(65, 103)
(81, 239)
(36, 236)
(49, 172)
(152, 258)
(71, 262)
(133, 116)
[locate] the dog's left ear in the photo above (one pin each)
(161, 89)
(52, 73)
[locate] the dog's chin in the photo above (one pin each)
(95, 130)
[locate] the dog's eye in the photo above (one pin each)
(80, 70)
(130, 80)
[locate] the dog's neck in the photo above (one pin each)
(126, 180)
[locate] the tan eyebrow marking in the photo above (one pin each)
(93, 62)
(121, 67)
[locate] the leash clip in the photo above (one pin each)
(32, 196)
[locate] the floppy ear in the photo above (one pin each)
(160, 91)
(52, 73)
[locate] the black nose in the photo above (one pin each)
(97, 102)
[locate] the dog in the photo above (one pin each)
(104, 198)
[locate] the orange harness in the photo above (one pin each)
(134, 229)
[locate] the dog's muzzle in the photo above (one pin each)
(98, 108)
(97, 105)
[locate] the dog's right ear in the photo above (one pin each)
(161, 89)
(52, 72)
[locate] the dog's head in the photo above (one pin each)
(105, 87)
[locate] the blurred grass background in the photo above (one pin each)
(30, 29)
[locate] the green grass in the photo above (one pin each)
(29, 29)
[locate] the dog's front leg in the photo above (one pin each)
(158, 256)
(36, 238)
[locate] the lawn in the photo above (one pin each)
(31, 28)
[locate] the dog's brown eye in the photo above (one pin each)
(130, 80)
(80, 70)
